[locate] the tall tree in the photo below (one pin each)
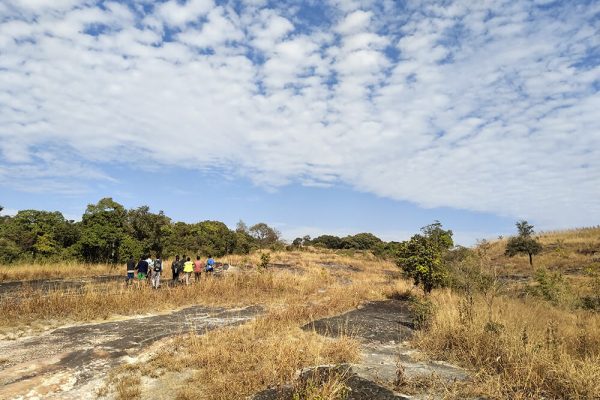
(524, 242)
(103, 229)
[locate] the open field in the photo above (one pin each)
(252, 329)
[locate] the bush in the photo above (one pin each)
(422, 312)
(551, 286)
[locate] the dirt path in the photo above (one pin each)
(71, 362)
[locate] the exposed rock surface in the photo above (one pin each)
(383, 328)
(70, 363)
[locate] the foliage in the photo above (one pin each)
(551, 286)
(110, 233)
(422, 257)
(264, 234)
(523, 243)
(265, 259)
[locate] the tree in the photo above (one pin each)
(150, 229)
(297, 242)
(264, 234)
(524, 242)
(103, 229)
(328, 241)
(422, 257)
(241, 227)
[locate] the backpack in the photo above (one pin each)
(157, 265)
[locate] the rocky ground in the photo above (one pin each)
(383, 329)
(72, 362)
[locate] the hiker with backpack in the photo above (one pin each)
(197, 269)
(150, 262)
(156, 271)
(175, 267)
(188, 268)
(210, 264)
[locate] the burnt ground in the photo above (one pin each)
(383, 328)
(70, 362)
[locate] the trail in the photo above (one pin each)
(72, 362)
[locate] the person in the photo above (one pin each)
(150, 266)
(175, 266)
(142, 269)
(156, 271)
(130, 270)
(210, 264)
(197, 269)
(188, 268)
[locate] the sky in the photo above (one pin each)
(315, 117)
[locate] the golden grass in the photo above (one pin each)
(232, 363)
(68, 269)
(531, 349)
(247, 286)
(569, 251)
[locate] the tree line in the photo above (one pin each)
(110, 233)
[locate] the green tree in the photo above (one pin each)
(524, 242)
(422, 257)
(39, 233)
(150, 229)
(361, 241)
(328, 241)
(103, 228)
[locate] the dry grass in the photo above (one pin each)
(31, 271)
(232, 363)
(247, 286)
(569, 251)
(530, 349)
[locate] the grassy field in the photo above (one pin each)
(39, 309)
(529, 335)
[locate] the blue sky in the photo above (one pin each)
(315, 117)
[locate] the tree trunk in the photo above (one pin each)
(530, 259)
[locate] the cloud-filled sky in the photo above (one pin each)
(475, 111)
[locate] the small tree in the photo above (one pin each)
(421, 258)
(524, 242)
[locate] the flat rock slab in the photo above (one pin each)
(11, 287)
(383, 328)
(358, 388)
(377, 321)
(58, 364)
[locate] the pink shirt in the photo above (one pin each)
(198, 266)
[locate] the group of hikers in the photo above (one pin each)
(149, 268)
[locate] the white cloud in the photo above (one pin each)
(487, 106)
(174, 13)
